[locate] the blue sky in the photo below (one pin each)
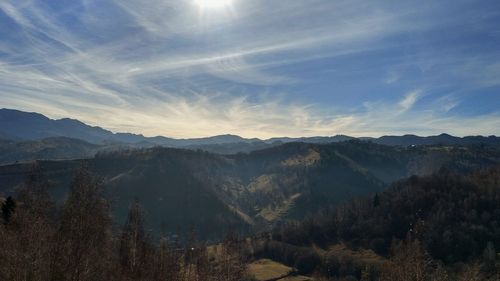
(256, 68)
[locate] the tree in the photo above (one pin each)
(410, 262)
(8, 208)
(367, 274)
(133, 244)
(167, 264)
(489, 257)
(376, 200)
(84, 236)
(28, 242)
(471, 273)
(230, 264)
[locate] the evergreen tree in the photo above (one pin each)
(8, 209)
(376, 200)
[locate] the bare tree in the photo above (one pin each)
(133, 244)
(471, 273)
(28, 239)
(230, 262)
(410, 262)
(167, 264)
(84, 236)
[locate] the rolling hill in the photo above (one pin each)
(182, 189)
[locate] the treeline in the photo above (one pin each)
(430, 227)
(39, 241)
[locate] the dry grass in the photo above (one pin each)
(271, 215)
(363, 255)
(263, 183)
(265, 269)
(303, 160)
(296, 278)
(242, 215)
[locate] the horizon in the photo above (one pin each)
(251, 137)
(191, 69)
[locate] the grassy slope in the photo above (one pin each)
(266, 269)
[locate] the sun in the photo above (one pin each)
(212, 4)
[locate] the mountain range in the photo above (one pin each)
(26, 136)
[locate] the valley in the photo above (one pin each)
(212, 193)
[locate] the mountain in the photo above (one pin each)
(19, 125)
(32, 126)
(337, 138)
(442, 139)
(25, 126)
(233, 147)
(182, 188)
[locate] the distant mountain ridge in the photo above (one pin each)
(34, 126)
(442, 139)
(25, 126)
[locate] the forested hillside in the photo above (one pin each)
(440, 227)
(46, 149)
(184, 189)
(40, 241)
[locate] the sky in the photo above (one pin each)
(256, 68)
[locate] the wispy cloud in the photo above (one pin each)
(409, 100)
(260, 68)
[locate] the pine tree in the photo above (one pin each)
(376, 200)
(8, 209)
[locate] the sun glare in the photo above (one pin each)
(213, 4)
